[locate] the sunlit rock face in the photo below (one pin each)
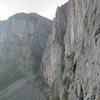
(71, 59)
(23, 38)
(84, 22)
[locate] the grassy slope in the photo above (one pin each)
(9, 73)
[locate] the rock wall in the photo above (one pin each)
(54, 52)
(23, 38)
(84, 21)
(71, 60)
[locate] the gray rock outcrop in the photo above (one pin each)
(54, 52)
(71, 60)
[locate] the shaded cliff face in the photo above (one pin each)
(71, 59)
(23, 38)
(22, 42)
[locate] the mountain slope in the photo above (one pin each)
(22, 42)
(23, 38)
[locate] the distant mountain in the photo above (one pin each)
(23, 39)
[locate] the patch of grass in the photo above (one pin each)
(71, 56)
(55, 98)
(9, 73)
(62, 69)
(41, 81)
(39, 78)
(66, 81)
(65, 95)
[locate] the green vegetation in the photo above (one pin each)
(41, 81)
(66, 81)
(65, 95)
(71, 56)
(62, 69)
(55, 98)
(9, 73)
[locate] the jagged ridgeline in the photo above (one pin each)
(42, 59)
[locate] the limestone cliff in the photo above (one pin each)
(71, 60)
(84, 22)
(54, 52)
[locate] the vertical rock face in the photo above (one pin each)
(71, 60)
(53, 55)
(23, 38)
(84, 22)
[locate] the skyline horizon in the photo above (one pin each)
(34, 6)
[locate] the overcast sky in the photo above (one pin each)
(45, 8)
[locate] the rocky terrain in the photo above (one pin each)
(23, 38)
(47, 60)
(22, 42)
